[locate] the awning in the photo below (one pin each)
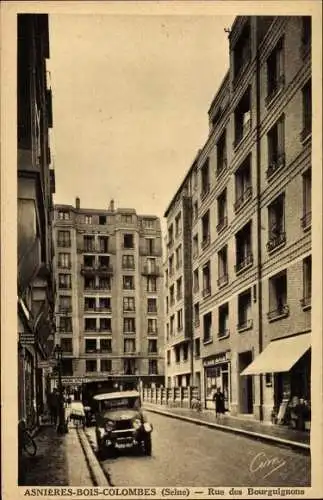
(280, 355)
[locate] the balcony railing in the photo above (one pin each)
(96, 268)
(223, 280)
(97, 287)
(64, 329)
(152, 332)
(278, 85)
(276, 241)
(223, 222)
(244, 263)
(107, 329)
(205, 191)
(222, 167)
(275, 165)
(306, 302)
(92, 249)
(278, 313)
(64, 309)
(223, 333)
(245, 325)
(245, 196)
(151, 270)
(64, 286)
(95, 309)
(61, 265)
(64, 243)
(206, 241)
(306, 220)
(206, 291)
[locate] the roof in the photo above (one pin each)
(117, 395)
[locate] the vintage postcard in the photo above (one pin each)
(161, 219)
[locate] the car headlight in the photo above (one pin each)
(148, 427)
(109, 425)
(136, 423)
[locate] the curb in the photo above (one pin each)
(235, 430)
(98, 476)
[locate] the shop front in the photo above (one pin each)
(217, 373)
(286, 368)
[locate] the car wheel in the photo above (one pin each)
(147, 445)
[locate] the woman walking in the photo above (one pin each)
(219, 402)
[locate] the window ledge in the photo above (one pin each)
(206, 342)
(277, 315)
(222, 337)
(306, 303)
(245, 326)
(276, 243)
(305, 136)
(272, 97)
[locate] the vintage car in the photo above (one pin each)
(120, 423)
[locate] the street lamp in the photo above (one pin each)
(61, 428)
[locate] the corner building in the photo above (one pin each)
(109, 305)
(250, 189)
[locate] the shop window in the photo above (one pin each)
(128, 241)
(206, 229)
(244, 311)
(307, 110)
(223, 321)
(306, 219)
(221, 154)
(243, 186)
(205, 179)
(244, 257)
(90, 365)
(207, 327)
(276, 147)
(276, 223)
(223, 276)
(242, 118)
(105, 365)
(222, 211)
(206, 272)
(307, 282)
(278, 307)
(275, 71)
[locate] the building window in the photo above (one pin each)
(276, 223)
(151, 284)
(172, 323)
(222, 211)
(152, 306)
(64, 239)
(129, 366)
(206, 229)
(167, 305)
(150, 246)
(64, 215)
(64, 260)
(90, 365)
(65, 324)
(172, 295)
(104, 304)
(244, 257)
(105, 345)
(90, 324)
(126, 219)
(307, 282)
(221, 154)
(170, 235)
(89, 261)
(244, 310)
(89, 283)
(179, 289)
(275, 71)
(306, 220)
(207, 327)
(196, 281)
(196, 314)
(88, 243)
(67, 367)
(178, 256)
(149, 223)
(152, 325)
(64, 281)
(195, 246)
(206, 273)
(128, 262)
(128, 303)
(67, 346)
(223, 321)
(223, 275)
(195, 210)
(105, 324)
(178, 224)
(152, 346)
(152, 367)
(128, 282)
(102, 220)
(276, 147)
(180, 320)
(171, 265)
(89, 304)
(88, 219)
(307, 110)
(242, 118)
(242, 51)
(185, 351)
(105, 365)
(205, 179)
(90, 346)
(168, 357)
(103, 244)
(128, 241)
(197, 348)
(129, 346)
(306, 36)
(243, 186)
(167, 332)
(129, 325)
(177, 354)
(104, 284)
(104, 262)
(278, 307)
(166, 278)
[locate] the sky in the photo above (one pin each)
(130, 100)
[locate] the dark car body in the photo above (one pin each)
(120, 423)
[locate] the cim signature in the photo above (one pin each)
(261, 462)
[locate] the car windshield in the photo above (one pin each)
(114, 404)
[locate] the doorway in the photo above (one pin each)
(245, 384)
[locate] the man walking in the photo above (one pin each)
(219, 402)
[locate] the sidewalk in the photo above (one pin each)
(59, 461)
(252, 428)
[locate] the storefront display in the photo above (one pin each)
(217, 374)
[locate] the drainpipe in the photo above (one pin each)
(259, 253)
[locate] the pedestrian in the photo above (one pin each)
(219, 402)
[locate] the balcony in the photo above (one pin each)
(60, 265)
(223, 280)
(306, 221)
(244, 263)
(205, 242)
(275, 165)
(152, 332)
(152, 311)
(279, 84)
(244, 198)
(64, 329)
(151, 270)
(278, 313)
(244, 325)
(64, 243)
(306, 302)
(206, 292)
(64, 286)
(96, 269)
(205, 191)
(223, 223)
(222, 167)
(96, 288)
(64, 309)
(276, 241)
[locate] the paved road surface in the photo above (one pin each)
(185, 454)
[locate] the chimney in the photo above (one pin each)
(111, 205)
(77, 203)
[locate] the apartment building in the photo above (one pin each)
(35, 187)
(109, 309)
(250, 189)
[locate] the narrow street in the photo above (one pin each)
(186, 454)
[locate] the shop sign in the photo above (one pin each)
(27, 338)
(43, 364)
(222, 357)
